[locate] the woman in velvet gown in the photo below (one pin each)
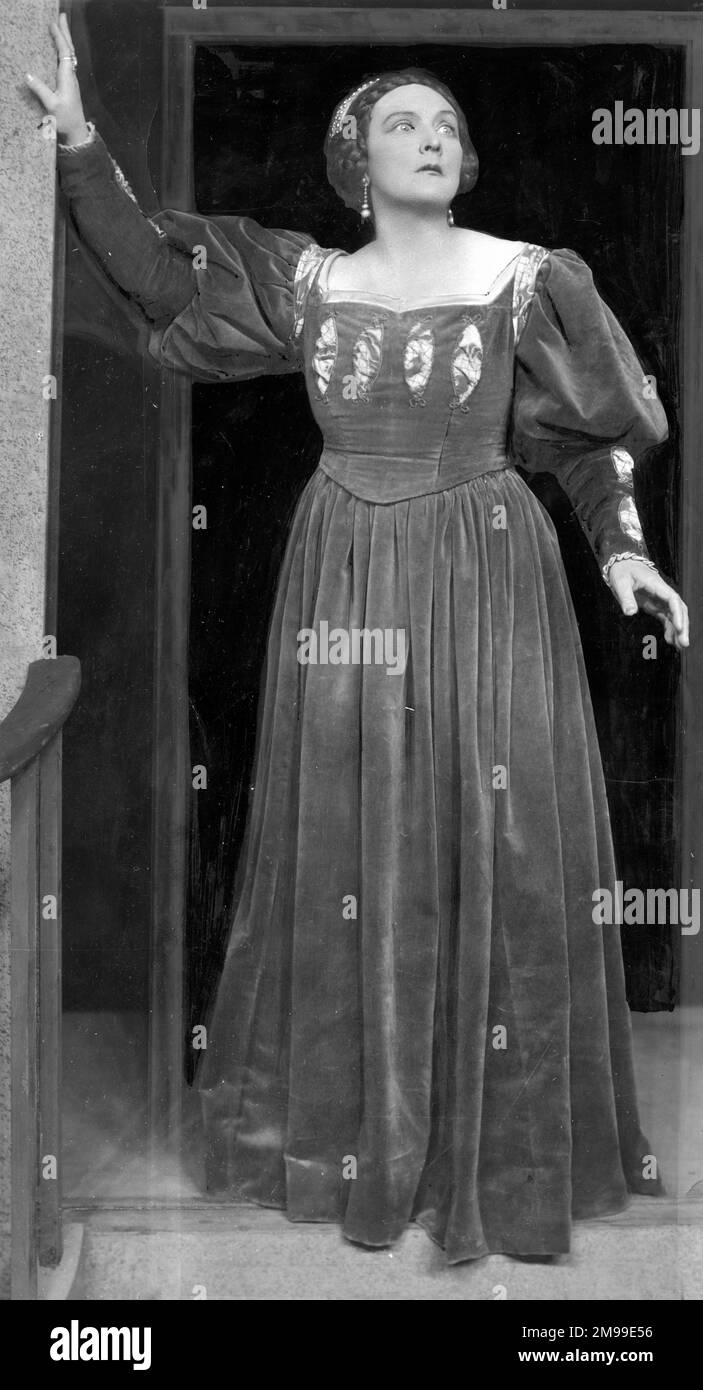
(417, 1017)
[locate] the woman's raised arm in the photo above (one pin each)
(132, 250)
(224, 294)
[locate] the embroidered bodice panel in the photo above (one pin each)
(432, 382)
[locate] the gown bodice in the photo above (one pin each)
(414, 400)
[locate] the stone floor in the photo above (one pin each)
(247, 1254)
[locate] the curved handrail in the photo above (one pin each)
(49, 694)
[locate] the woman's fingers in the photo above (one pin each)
(40, 89)
(678, 616)
(67, 83)
(63, 21)
(663, 602)
(64, 49)
(623, 588)
(643, 588)
(62, 38)
(63, 104)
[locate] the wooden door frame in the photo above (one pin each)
(185, 27)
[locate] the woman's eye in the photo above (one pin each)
(403, 125)
(446, 126)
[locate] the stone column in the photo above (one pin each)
(27, 183)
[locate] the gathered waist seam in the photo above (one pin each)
(496, 461)
(363, 492)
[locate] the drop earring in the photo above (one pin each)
(450, 218)
(365, 206)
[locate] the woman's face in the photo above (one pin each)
(413, 147)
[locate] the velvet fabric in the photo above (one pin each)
(455, 1047)
(417, 1017)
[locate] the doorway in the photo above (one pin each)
(142, 957)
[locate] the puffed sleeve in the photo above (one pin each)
(584, 408)
(219, 291)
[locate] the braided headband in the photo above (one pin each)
(341, 112)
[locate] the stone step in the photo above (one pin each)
(242, 1254)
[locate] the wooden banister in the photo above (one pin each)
(49, 694)
(30, 755)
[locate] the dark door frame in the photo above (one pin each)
(185, 27)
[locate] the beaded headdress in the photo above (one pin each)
(341, 111)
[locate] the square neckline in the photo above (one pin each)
(328, 296)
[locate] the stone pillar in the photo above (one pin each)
(27, 182)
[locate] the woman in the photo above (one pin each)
(417, 1017)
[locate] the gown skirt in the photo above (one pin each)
(417, 1017)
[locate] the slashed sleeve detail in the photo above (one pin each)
(584, 409)
(219, 291)
(306, 274)
(524, 285)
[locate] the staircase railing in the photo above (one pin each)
(30, 757)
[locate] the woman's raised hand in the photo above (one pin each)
(64, 106)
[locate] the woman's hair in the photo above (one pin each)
(346, 154)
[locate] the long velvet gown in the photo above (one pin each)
(417, 1017)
